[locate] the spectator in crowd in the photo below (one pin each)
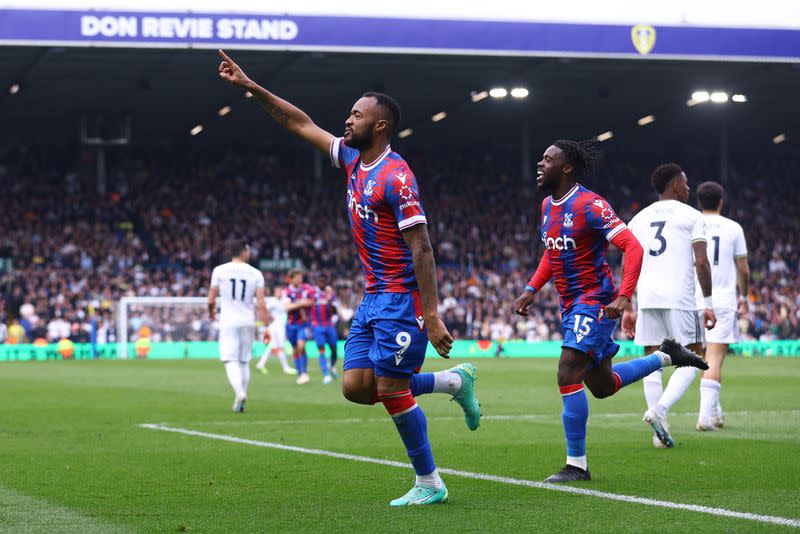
(70, 252)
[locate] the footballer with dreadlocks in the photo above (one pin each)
(577, 226)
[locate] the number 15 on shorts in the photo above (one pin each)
(582, 326)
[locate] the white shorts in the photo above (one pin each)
(236, 343)
(727, 328)
(277, 333)
(653, 325)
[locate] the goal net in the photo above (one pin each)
(166, 328)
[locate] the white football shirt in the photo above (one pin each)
(725, 244)
(277, 311)
(237, 283)
(666, 230)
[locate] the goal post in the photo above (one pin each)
(177, 327)
(164, 320)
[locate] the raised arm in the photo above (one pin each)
(287, 115)
(416, 237)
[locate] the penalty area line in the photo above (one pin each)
(710, 510)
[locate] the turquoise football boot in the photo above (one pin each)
(420, 495)
(466, 395)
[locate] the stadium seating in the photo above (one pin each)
(160, 227)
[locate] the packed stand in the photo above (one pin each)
(69, 252)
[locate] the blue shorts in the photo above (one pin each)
(588, 331)
(296, 332)
(387, 335)
(325, 335)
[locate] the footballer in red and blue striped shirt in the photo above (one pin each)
(577, 226)
(296, 302)
(382, 201)
(399, 313)
(322, 327)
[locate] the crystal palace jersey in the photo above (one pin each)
(323, 310)
(291, 295)
(576, 230)
(382, 200)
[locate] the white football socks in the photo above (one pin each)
(262, 362)
(577, 461)
(709, 398)
(234, 372)
(652, 388)
(446, 382)
(678, 383)
(245, 370)
(431, 480)
(283, 360)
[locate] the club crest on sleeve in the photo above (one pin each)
(406, 193)
(567, 220)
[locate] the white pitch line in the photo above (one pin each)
(544, 418)
(721, 512)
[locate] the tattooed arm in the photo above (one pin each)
(284, 113)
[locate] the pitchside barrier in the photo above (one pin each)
(461, 349)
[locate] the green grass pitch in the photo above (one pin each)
(73, 458)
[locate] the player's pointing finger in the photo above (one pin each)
(225, 56)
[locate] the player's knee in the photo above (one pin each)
(355, 393)
(358, 391)
(568, 375)
(601, 393)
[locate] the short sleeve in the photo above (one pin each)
(341, 155)
(739, 244)
(259, 278)
(698, 227)
(401, 193)
(215, 277)
(601, 216)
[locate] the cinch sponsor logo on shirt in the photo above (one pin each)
(363, 212)
(561, 242)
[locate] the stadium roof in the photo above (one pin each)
(166, 92)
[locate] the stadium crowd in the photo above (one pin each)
(69, 252)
